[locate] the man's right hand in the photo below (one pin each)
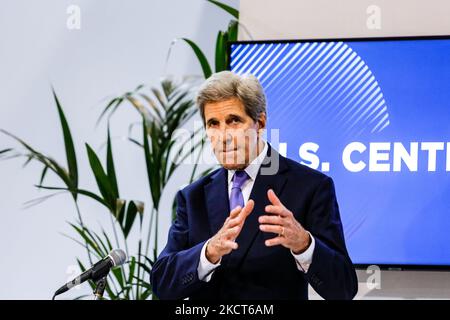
(224, 240)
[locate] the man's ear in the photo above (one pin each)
(262, 121)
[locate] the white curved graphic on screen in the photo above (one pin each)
(316, 83)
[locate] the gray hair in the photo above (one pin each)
(225, 85)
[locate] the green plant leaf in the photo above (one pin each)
(44, 172)
(159, 98)
(143, 283)
(147, 259)
(142, 109)
(29, 158)
(110, 168)
(120, 212)
(101, 243)
(145, 267)
(144, 295)
(114, 104)
(153, 106)
(33, 202)
(201, 58)
(168, 87)
(221, 43)
(230, 10)
(69, 145)
(130, 218)
(60, 171)
(86, 237)
(174, 102)
(83, 269)
(101, 178)
(125, 289)
(132, 268)
(82, 297)
(107, 240)
(80, 191)
(232, 35)
(148, 161)
(233, 31)
(5, 150)
(117, 272)
(82, 245)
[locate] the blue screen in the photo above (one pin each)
(375, 116)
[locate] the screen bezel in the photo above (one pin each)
(393, 267)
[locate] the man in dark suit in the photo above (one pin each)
(260, 227)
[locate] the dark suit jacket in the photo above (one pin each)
(255, 271)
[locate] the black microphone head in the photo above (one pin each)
(118, 257)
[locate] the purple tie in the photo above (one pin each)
(236, 198)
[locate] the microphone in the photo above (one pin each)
(99, 270)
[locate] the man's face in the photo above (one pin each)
(233, 134)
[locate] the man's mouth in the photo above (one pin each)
(230, 150)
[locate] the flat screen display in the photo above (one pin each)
(374, 114)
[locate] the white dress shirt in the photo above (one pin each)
(205, 268)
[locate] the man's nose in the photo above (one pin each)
(225, 136)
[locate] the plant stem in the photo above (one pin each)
(147, 246)
(139, 267)
(155, 248)
(114, 230)
(113, 283)
(83, 227)
(117, 242)
(126, 243)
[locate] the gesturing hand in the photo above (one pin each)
(281, 221)
(224, 240)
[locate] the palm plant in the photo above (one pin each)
(222, 40)
(163, 110)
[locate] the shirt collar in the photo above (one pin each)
(253, 168)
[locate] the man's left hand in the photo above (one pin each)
(281, 221)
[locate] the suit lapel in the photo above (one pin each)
(262, 184)
(217, 202)
(218, 205)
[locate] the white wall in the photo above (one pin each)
(303, 19)
(296, 19)
(120, 44)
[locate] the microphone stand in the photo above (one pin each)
(100, 286)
